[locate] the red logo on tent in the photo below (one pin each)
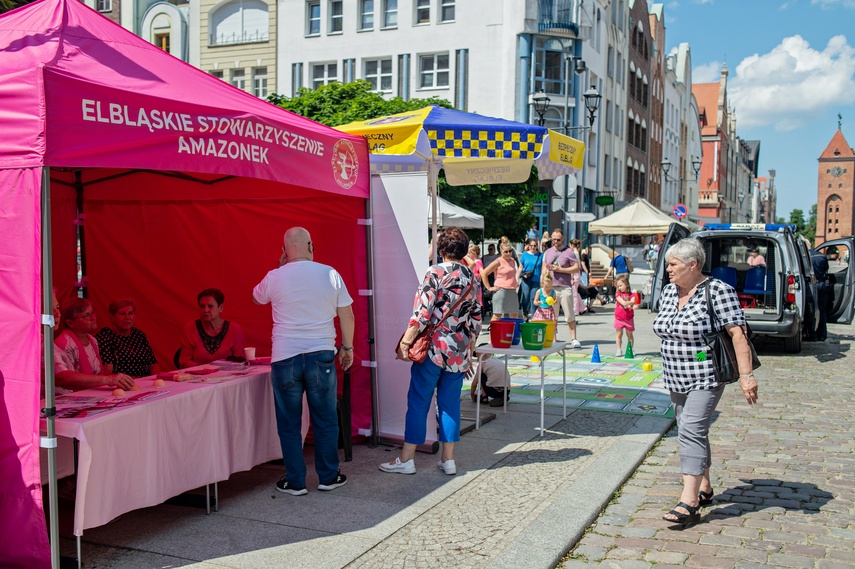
(345, 164)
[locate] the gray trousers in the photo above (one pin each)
(694, 411)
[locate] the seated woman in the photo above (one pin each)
(77, 361)
(210, 338)
(124, 348)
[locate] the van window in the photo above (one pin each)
(748, 264)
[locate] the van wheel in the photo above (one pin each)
(793, 344)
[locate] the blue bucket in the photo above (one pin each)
(517, 334)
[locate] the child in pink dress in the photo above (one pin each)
(624, 312)
(543, 307)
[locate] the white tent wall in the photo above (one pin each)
(400, 230)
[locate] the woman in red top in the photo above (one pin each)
(505, 285)
(210, 338)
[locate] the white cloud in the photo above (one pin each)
(792, 84)
(707, 73)
(834, 3)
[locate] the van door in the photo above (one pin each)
(660, 277)
(839, 255)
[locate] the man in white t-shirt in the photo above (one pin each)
(306, 297)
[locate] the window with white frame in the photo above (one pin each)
(549, 66)
(313, 17)
(324, 74)
(336, 16)
(240, 21)
(259, 82)
(218, 73)
(390, 13)
(607, 171)
(446, 10)
(378, 72)
(433, 71)
(239, 78)
(422, 12)
(366, 14)
(105, 5)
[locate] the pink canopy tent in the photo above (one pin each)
(182, 182)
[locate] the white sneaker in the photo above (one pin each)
(575, 344)
(448, 466)
(398, 467)
(619, 354)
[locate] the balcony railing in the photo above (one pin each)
(556, 15)
(708, 197)
(236, 38)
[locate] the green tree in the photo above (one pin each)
(506, 207)
(6, 5)
(797, 218)
(810, 229)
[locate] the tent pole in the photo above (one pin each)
(369, 246)
(433, 174)
(50, 397)
(81, 234)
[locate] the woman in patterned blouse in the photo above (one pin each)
(449, 356)
(687, 366)
(125, 349)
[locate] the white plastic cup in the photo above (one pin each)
(249, 353)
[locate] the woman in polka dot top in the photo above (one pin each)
(125, 349)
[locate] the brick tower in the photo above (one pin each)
(835, 190)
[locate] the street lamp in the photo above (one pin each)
(592, 103)
(666, 167)
(541, 103)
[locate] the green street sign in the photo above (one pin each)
(604, 200)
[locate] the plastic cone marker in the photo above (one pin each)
(628, 354)
(535, 359)
(595, 356)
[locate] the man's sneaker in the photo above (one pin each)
(448, 466)
(575, 344)
(398, 467)
(339, 480)
(282, 486)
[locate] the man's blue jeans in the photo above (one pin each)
(313, 373)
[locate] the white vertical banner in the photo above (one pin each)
(401, 251)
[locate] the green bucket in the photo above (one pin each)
(533, 335)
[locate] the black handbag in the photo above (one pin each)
(724, 362)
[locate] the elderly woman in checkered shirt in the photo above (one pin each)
(687, 366)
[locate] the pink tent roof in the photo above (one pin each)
(78, 90)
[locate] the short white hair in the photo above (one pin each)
(688, 249)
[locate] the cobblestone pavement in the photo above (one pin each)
(472, 527)
(783, 472)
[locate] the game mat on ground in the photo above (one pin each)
(614, 384)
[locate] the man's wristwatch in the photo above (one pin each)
(347, 349)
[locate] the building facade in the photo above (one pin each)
(658, 69)
(835, 190)
(638, 102)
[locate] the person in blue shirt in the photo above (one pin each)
(618, 266)
(531, 261)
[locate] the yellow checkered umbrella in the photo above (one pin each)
(471, 148)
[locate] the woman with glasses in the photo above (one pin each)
(125, 348)
(77, 360)
(507, 280)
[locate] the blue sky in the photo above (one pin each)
(791, 70)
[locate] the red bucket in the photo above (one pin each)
(502, 333)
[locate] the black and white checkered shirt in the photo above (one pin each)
(682, 332)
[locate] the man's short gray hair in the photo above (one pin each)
(686, 250)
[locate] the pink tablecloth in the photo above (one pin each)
(199, 433)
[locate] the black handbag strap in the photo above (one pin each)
(710, 309)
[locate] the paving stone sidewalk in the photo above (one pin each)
(783, 472)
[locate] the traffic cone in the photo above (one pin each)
(628, 355)
(595, 356)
